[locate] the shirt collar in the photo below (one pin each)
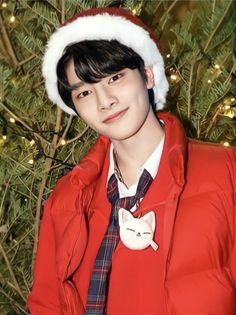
(151, 164)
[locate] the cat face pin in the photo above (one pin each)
(137, 233)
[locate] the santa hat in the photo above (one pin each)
(104, 24)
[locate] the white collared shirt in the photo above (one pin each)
(151, 165)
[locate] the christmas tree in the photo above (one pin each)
(39, 143)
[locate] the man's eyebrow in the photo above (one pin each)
(76, 86)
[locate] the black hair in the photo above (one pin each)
(95, 60)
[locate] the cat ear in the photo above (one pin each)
(150, 219)
(124, 216)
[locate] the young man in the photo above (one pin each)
(145, 224)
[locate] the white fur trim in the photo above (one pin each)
(108, 27)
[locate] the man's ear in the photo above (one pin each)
(149, 77)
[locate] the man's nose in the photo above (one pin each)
(105, 98)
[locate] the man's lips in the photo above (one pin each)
(115, 116)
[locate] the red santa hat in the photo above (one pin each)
(106, 24)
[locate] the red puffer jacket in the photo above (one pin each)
(195, 187)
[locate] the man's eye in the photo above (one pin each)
(83, 94)
(129, 229)
(115, 77)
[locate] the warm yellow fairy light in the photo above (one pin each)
(232, 99)
(217, 66)
(209, 81)
(168, 56)
(12, 19)
(32, 142)
(4, 5)
(12, 120)
(226, 144)
(4, 137)
(134, 11)
(63, 141)
(31, 161)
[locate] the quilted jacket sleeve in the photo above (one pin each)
(44, 298)
(233, 261)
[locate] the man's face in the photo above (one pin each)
(117, 106)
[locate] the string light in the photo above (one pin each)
(232, 99)
(4, 5)
(31, 161)
(32, 142)
(226, 144)
(209, 81)
(216, 66)
(136, 10)
(168, 56)
(4, 137)
(12, 120)
(63, 142)
(12, 19)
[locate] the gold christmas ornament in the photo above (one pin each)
(231, 112)
(226, 107)
(174, 78)
(229, 100)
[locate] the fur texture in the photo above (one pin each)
(108, 27)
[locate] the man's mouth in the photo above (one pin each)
(115, 117)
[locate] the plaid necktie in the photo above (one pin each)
(97, 294)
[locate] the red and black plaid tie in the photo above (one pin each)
(97, 294)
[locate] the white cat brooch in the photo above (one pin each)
(137, 233)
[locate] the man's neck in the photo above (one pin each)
(134, 151)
